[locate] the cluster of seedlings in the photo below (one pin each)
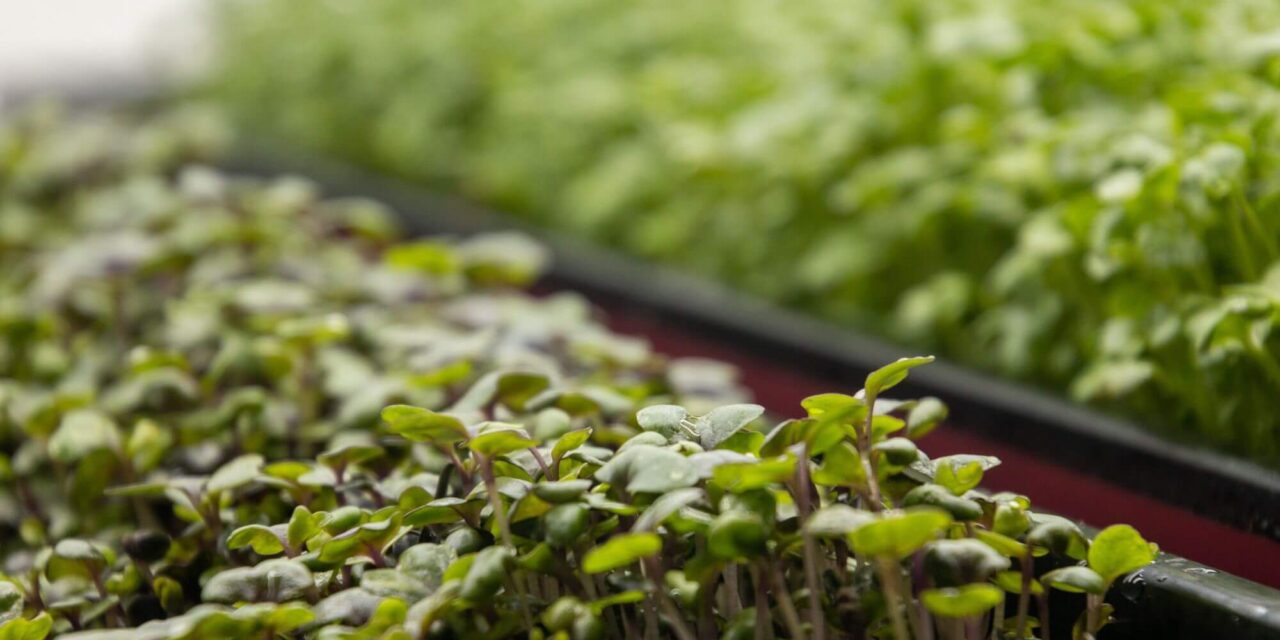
(233, 409)
(1084, 194)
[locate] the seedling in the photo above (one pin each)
(359, 439)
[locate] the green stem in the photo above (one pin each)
(788, 608)
(653, 566)
(764, 622)
(890, 580)
(500, 514)
(1024, 593)
(1043, 603)
(816, 618)
(866, 455)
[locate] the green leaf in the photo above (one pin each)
(898, 452)
(351, 607)
(390, 583)
(76, 558)
(82, 432)
(1057, 534)
(431, 257)
(427, 563)
(36, 628)
(443, 511)
(302, 526)
(278, 580)
(620, 551)
(819, 435)
(348, 448)
(962, 602)
(1001, 543)
(565, 523)
(737, 535)
(1011, 581)
(561, 614)
(925, 417)
(723, 422)
(740, 477)
(422, 425)
(569, 441)
(665, 506)
(837, 520)
(147, 445)
(890, 375)
(515, 388)
(835, 407)
(496, 439)
(664, 419)
(1119, 549)
(957, 477)
(550, 423)
(897, 534)
(622, 597)
(958, 562)
(235, 474)
(841, 467)
(648, 469)
(935, 496)
(487, 573)
(1075, 580)
(264, 540)
(562, 491)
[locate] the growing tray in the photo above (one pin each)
(1221, 508)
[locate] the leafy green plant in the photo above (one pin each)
(1077, 193)
(231, 408)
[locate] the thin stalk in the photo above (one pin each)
(1024, 593)
(997, 619)
(890, 580)
(764, 622)
(115, 613)
(971, 628)
(462, 470)
(869, 462)
(653, 567)
(650, 619)
(1043, 603)
(788, 608)
(542, 463)
(1093, 606)
(442, 485)
(816, 618)
(733, 594)
(500, 514)
(495, 501)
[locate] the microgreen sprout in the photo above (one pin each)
(289, 447)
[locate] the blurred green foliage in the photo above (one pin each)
(1081, 193)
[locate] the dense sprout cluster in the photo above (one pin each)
(1080, 193)
(231, 409)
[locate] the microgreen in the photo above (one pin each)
(316, 462)
(974, 178)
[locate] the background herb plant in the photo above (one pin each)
(1077, 193)
(229, 408)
